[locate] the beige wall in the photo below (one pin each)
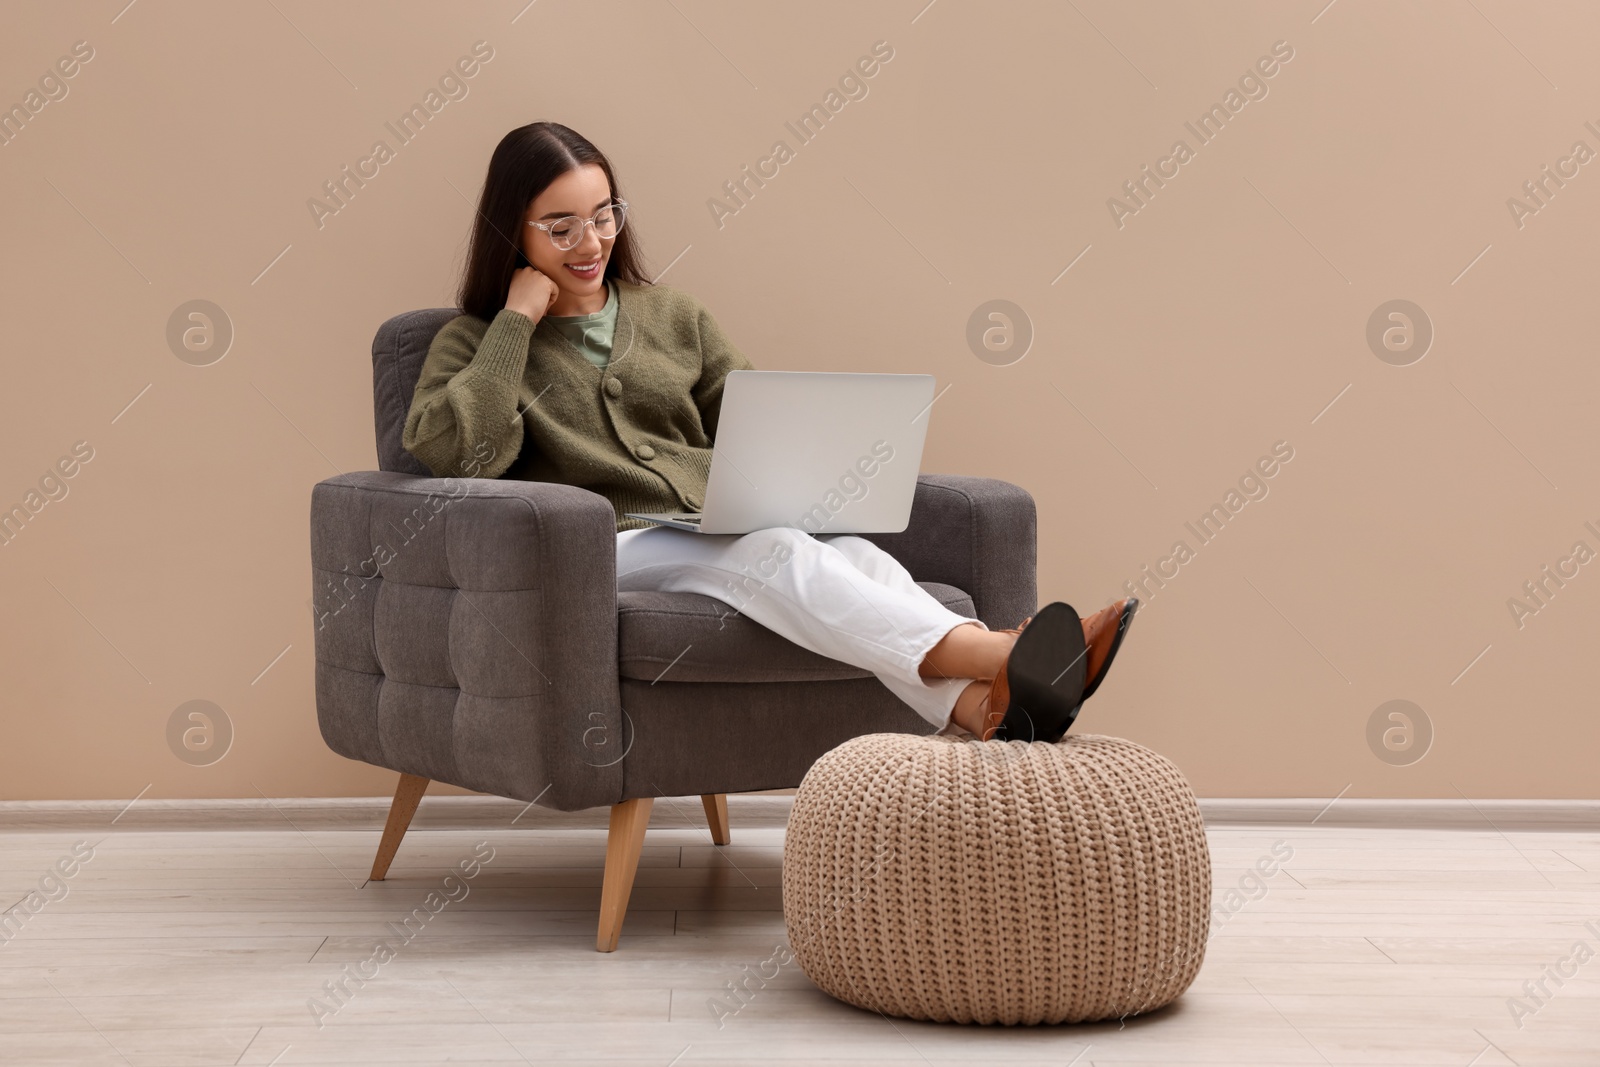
(1220, 318)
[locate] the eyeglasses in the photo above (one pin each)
(567, 231)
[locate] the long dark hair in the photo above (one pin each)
(524, 164)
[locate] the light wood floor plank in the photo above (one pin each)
(196, 939)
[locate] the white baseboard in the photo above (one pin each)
(770, 808)
(1454, 813)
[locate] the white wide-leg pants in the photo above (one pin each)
(838, 595)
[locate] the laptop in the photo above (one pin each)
(821, 451)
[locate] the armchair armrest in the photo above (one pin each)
(977, 534)
(466, 632)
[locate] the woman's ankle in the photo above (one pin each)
(1001, 651)
(967, 651)
(952, 655)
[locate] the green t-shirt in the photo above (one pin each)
(591, 334)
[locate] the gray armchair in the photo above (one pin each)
(470, 631)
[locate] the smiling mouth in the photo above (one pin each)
(584, 270)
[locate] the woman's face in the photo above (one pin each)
(579, 192)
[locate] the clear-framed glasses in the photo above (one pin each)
(567, 231)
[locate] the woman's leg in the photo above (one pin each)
(810, 592)
(974, 652)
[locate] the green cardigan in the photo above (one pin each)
(513, 399)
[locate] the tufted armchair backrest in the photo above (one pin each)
(397, 354)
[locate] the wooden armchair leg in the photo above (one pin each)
(407, 795)
(623, 843)
(717, 815)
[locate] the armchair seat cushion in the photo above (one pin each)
(702, 639)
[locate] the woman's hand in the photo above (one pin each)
(531, 293)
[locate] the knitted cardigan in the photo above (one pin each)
(513, 399)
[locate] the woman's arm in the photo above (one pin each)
(717, 358)
(464, 420)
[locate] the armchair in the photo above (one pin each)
(469, 631)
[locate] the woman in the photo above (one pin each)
(569, 366)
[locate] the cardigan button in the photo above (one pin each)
(646, 452)
(614, 386)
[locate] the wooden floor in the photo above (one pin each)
(204, 937)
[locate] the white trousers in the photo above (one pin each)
(838, 595)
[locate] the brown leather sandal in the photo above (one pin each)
(1103, 648)
(1037, 692)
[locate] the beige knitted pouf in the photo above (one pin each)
(936, 878)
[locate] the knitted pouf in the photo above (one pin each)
(1005, 882)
